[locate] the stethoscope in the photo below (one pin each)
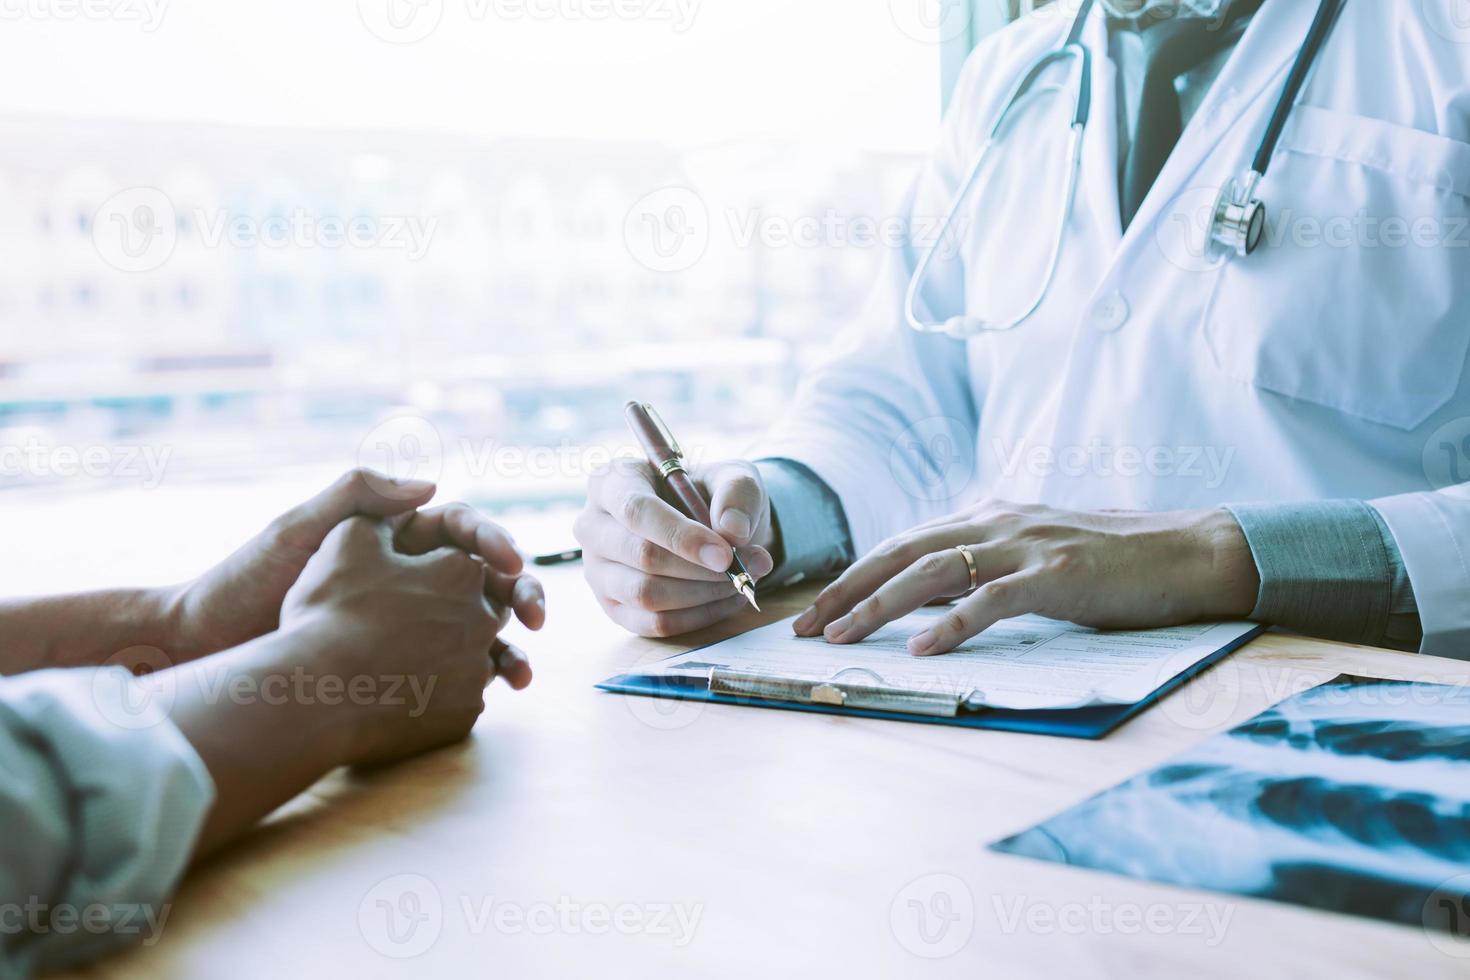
(1238, 220)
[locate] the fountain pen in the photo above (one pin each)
(664, 453)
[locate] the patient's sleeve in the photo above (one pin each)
(101, 802)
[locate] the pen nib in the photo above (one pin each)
(749, 594)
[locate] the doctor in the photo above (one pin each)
(1108, 412)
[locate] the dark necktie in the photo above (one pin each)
(1169, 49)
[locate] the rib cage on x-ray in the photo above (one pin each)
(1353, 796)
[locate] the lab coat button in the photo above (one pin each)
(1111, 312)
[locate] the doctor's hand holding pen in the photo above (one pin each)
(657, 572)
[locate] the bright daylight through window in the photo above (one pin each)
(254, 238)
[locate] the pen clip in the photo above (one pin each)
(838, 694)
(663, 430)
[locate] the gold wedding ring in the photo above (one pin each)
(964, 551)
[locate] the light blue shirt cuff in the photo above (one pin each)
(101, 803)
(1330, 569)
(813, 539)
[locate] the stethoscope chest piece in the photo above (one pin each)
(1239, 220)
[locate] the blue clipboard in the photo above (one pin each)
(1091, 722)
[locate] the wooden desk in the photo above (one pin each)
(799, 840)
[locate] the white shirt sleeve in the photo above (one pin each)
(101, 804)
(1432, 531)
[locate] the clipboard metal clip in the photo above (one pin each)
(872, 695)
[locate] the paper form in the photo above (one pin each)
(1023, 663)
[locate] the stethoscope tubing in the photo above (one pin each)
(1327, 14)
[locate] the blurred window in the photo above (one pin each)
(439, 237)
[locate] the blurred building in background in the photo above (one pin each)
(254, 299)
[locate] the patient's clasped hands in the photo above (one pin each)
(241, 598)
(360, 582)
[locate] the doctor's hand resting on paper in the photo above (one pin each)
(1104, 570)
(1209, 341)
(359, 628)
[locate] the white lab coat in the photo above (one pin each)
(1331, 364)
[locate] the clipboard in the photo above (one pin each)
(843, 695)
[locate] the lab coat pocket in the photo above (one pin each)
(1359, 298)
